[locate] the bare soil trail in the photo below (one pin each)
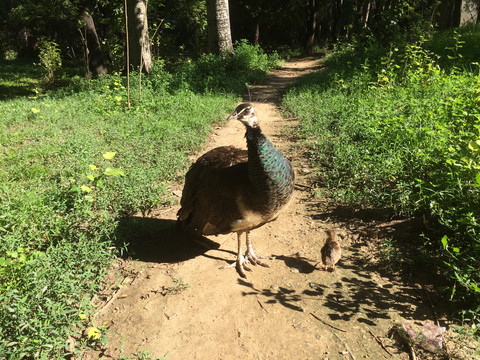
(175, 298)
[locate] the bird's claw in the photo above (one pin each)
(240, 265)
(254, 259)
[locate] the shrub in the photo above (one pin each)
(74, 162)
(49, 58)
(402, 133)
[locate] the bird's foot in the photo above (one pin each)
(323, 266)
(255, 259)
(240, 265)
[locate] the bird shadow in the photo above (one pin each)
(160, 240)
(300, 263)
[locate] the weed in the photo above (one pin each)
(399, 131)
(143, 355)
(72, 163)
(50, 58)
(390, 255)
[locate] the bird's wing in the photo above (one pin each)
(211, 184)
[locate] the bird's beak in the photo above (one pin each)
(233, 116)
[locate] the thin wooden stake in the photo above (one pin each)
(128, 57)
(141, 55)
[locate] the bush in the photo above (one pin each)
(402, 133)
(229, 74)
(50, 58)
(75, 161)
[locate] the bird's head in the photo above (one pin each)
(245, 113)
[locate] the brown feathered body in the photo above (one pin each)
(233, 190)
(331, 251)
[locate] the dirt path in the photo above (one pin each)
(175, 298)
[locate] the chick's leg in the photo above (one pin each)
(251, 256)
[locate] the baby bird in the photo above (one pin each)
(331, 251)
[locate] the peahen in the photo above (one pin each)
(232, 190)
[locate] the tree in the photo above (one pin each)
(94, 55)
(311, 27)
(219, 33)
(138, 39)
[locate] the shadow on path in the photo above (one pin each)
(160, 240)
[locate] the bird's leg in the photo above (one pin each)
(240, 263)
(251, 256)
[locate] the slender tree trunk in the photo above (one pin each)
(224, 34)
(256, 41)
(138, 35)
(96, 59)
(212, 26)
(367, 15)
(312, 25)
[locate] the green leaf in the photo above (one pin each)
(86, 189)
(455, 249)
(478, 179)
(114, 172)
(473, 146)
(35, 110)
(444, 241)
(92, 167)
(109, 155)
(4, 262)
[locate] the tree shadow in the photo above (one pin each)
(356, 295)
(160, 240)
(362, 298)
(280, 295)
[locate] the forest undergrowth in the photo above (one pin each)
(398, 127)
(74, 161)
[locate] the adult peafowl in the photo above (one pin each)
(232, 190)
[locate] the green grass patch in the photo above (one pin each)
(398, 131)
(21, 78)
(72, 163)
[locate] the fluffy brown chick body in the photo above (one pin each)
(331, 251)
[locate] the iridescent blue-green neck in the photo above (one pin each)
(269, 171)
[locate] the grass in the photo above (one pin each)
(399, 128)
(24, 77)
(72, 163)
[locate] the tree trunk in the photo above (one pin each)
(96, 60)
(223, 27)
(449, 14)
(218, 20)
(367, 15)
(256, 41)
(139, 42)
(311, 27)
(212, 26)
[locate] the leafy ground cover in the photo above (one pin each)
(74, 161)
(399, 128)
